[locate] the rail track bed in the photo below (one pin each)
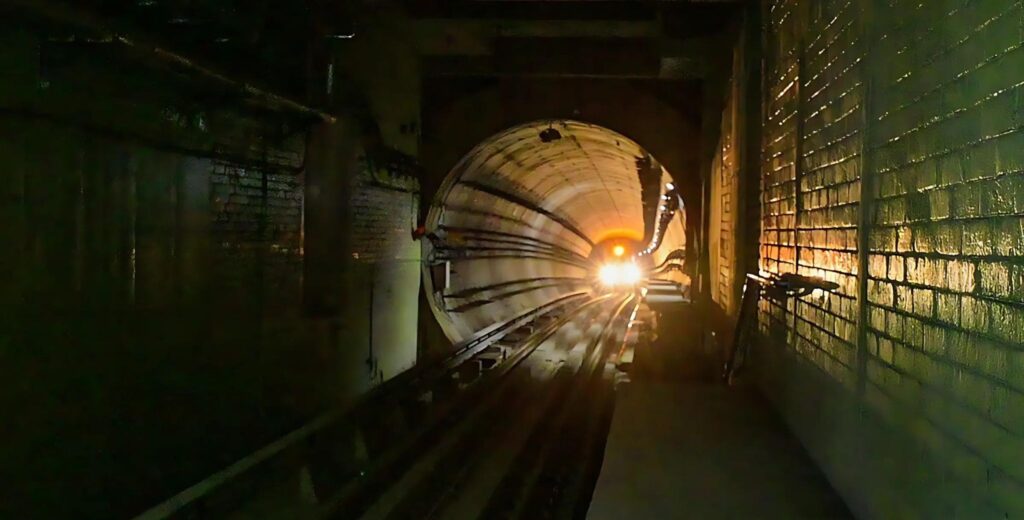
(510, 425)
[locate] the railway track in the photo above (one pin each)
(511, 425)
(528, 448)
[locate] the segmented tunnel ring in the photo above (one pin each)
(520, 228)
(518, 220)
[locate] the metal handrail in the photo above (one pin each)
(773, 285)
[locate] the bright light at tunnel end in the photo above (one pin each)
(619, 274)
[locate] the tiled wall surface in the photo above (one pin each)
(893, 164)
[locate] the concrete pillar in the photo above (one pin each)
(330, 161)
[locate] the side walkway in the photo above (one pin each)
(689, 447)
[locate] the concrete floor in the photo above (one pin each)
(697, 450)
(694, 448)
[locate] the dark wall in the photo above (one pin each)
(150, 291)
(186, 273)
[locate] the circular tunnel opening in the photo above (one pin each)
(538, 213)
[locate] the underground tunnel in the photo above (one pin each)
(523, 259)
(531, 214)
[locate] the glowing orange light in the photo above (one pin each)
(614, 275)
(618, 250)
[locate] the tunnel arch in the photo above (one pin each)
(516, 222)
(463, 113)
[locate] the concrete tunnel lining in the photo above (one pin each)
(519, 217)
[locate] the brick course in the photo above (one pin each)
(256, 223)
(940, 357)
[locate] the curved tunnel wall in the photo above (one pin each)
(520, 215)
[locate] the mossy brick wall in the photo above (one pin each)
(893, 164)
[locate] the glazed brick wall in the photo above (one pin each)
(725, 171)
(893, 164)
(779, 151)
(830, 90)
(946, 307)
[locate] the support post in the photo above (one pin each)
(867, 199)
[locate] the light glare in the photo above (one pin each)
(619, 274)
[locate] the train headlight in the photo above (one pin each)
(618, 274)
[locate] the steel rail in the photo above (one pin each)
(571, 471)
(438, 484)
(529, 490)
(361, 494)
(228, 488)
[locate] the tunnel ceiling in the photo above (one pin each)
(519, 216)
(587, 175)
